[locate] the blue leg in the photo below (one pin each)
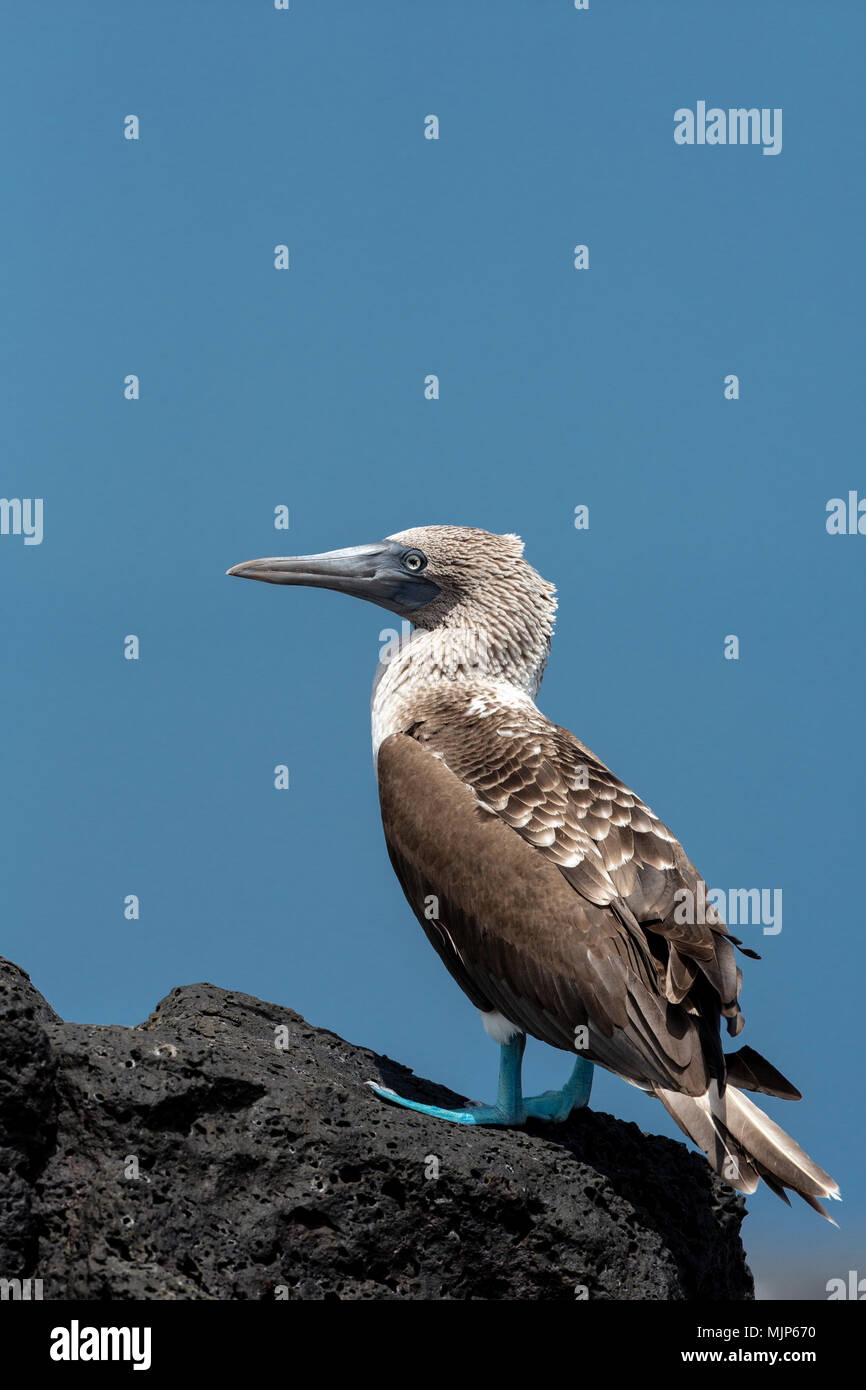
(509, 1108)
(558, 1105)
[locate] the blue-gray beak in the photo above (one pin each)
(373, 572)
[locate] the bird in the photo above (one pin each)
(554, 896)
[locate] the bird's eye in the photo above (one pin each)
(414, 561)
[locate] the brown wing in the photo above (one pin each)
(610, 846)
(523, 908)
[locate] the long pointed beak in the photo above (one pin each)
(373, 572)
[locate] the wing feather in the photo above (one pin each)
(611, 847)
(551, 945)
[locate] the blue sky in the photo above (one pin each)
(305, 388)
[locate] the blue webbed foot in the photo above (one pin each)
(508, 1109)
(558, 1105)
(476, 1115)
(511, 1108)
(551, 1105)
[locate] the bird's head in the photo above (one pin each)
(455, 578)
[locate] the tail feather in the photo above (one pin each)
(744, 1145)
(752, 1072)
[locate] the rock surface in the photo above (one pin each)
(207, 1155)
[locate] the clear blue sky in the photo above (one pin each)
(305, 388)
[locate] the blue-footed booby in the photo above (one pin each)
(547, 887)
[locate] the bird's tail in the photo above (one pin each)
(743, 1144)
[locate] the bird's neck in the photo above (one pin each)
(465, 663)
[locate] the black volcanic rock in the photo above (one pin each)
(193, 1157)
